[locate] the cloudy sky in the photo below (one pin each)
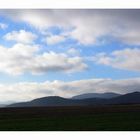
(68, 52)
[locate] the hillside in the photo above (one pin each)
(130, 98)
(107, 95)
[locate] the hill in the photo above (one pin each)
(107, 95)
(48, 101)
(130, 98)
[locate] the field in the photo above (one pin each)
(120, 117)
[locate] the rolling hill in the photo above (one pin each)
(107, 95)
(48, 101)
(130, 98)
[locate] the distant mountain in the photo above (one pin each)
(107, 95)
(130, 98)
(48, 101)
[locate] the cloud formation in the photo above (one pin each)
(3, 26)
(74, 29)
(21, 36)
(22, 58)
(54, 39)
(31, 90)
(87, 25)
(128, 59)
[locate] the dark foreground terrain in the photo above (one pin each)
(117, 117)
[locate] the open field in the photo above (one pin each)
(119, 117)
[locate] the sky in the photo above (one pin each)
(68, 52)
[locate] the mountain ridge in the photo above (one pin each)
(105, 95)
(129, 98)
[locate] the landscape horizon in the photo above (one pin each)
(69, 69)
(93, 99)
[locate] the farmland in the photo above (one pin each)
(78, 118)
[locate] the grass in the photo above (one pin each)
(101, 121)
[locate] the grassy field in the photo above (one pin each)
(124, 117)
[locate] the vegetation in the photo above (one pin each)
(126, 117)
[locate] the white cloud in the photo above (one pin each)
(88, 25)
(54, 39)
(3, 26)
(22, 58)
(127, 59)
(21, 36)
(60, 62)
(73, 51)
(130, 37)
(31, 90)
